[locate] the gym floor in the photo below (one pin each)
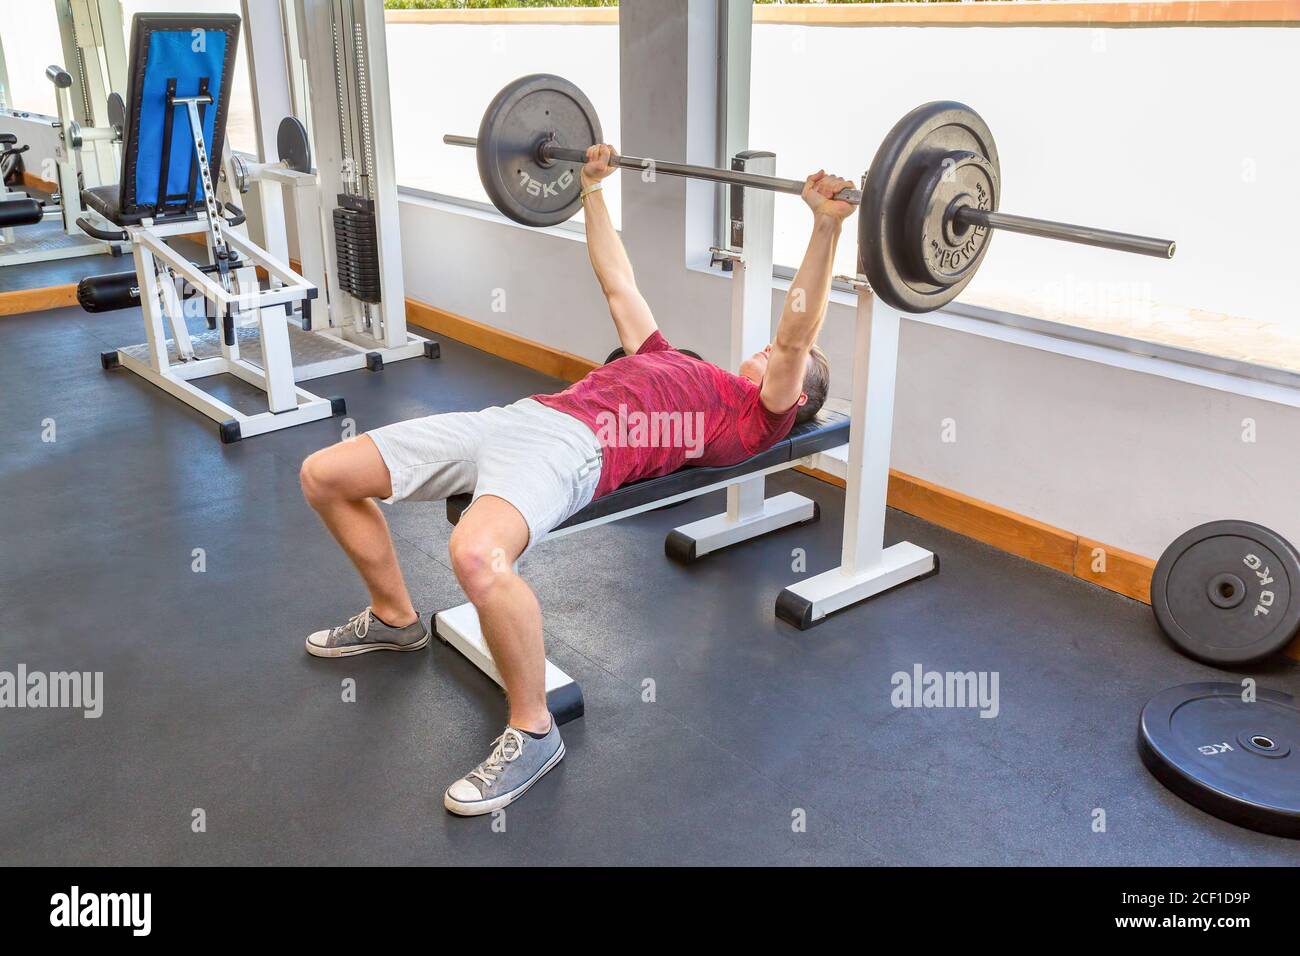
(211, 702)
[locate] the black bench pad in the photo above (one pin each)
(105, 200)
(828, 430)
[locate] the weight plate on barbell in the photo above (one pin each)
(943, 249)
(519, 119)
(1228, 592)
(1235, 758)
(906, 160)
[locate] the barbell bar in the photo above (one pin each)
(550, 151)
(929, 201)
(1083, 235)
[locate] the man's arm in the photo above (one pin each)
(632, 317)
(805, 303)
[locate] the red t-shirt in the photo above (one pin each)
(659, 410)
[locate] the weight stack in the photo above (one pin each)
(357, 245)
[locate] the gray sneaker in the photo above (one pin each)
(517, 761)
(365, 633)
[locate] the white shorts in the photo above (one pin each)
(543, 462)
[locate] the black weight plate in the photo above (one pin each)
(116, 111)
(907, 157)
(1226, 592)
(526, 112)
(359, 278)
(292, 145)
(1239, 761)
(356, 242)
(943, 249)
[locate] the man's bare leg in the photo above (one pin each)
(484, 547)
(341, 483)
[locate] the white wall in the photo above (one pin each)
(1128, 458)
(30, 34)
(29, 30)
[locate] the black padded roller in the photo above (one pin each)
(20, 212)
(107, 293)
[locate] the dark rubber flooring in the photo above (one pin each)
(211, 704)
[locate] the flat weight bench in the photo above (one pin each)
(173, 129)
(460, 628)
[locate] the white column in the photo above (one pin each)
(751, 306)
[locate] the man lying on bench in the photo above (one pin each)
(533, 464)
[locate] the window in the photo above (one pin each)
(30, 34)
(445, 65)
(241, 122)
(31, 43)
(1127, 129)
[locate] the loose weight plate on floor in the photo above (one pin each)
(1234, 759)
(1226, 592)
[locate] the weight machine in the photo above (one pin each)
(177, 106)
(345, 207)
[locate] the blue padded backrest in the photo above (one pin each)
(188, 49)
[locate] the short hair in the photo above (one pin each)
(816, 384)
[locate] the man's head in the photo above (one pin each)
(816, 379)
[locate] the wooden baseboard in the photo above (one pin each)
(1112, 568)
(32, 181)
(19, 301)
(506, 345)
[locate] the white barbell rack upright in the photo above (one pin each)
(867, 567)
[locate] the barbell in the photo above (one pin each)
(929, 201)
